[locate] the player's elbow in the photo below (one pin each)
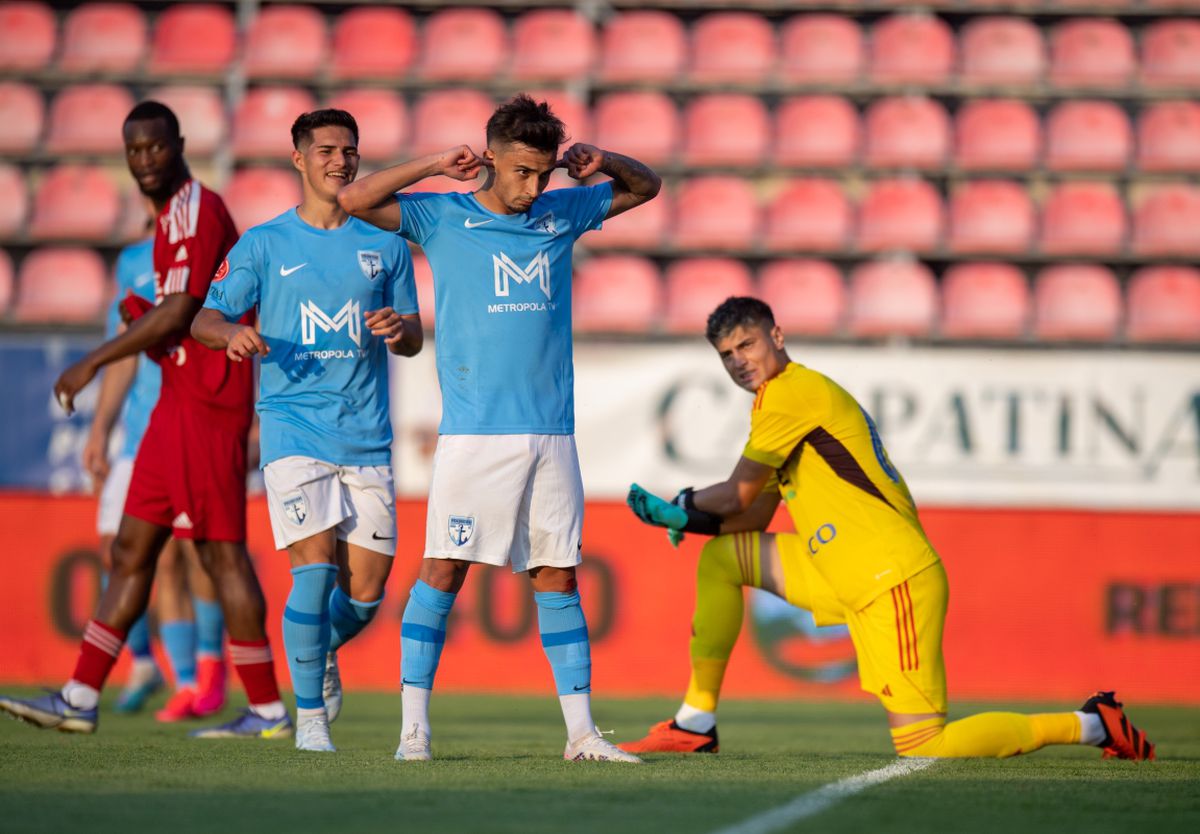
(201, 329)
(350, 199)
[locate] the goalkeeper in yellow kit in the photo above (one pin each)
(859, 557)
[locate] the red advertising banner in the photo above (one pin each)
(1044, 605)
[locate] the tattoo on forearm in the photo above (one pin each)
(632, 174)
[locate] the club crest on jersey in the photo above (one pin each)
(546, 224)
(460, 528)
(295, 508)
(371, 263)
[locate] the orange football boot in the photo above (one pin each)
(210, 686)
(1124, 740)
(179, 707)
(669, 737)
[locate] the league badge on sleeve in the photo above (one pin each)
(460, 528)
(371, 263)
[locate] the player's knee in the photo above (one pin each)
(126, 558)
(718, 560)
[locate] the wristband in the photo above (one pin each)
(699, 521)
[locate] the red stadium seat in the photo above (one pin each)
(726, 129)
(816, 132)
(445, 118)
(821, 48)
(1088, 136)
(552, 44)
(15, 206)
(617, 294)
(285, 42)
(1171, 54)
(1076, 302)
(87, 119)
(193, 38)
(645, 228)
(22, 112)
(807, 297)
(464, 44)
(984, 301)
(999, 135)
(573, 112)
(27, 36)
(103, 37)
(373, 42)
(643, 46)
(65, 284)
(263, 121)
(911, 48)
(1166, 222)
(716, 213)
(1168, 137)
(1164, 304)
(991, 216)
(75, 202)
(382, 118)
(644, 125)
(732, 47)
(900, 214)
(892, 298)
(695, 286)
(423, 278)
(907, 132)
(1083, 218)
(1002, 50)
(1091, 52)
(809, 215)
(201, 114)
(6, 282)
(256, 195)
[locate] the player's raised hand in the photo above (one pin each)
(244, 343)
(461, 163)
(387, 323)
(581, 161)
(71, 382)
(653, 510)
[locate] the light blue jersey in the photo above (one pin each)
(323, 389)
(135, 272)
(502, 289)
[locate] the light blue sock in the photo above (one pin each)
(210, 627)
(306, 631)
(348, 616)
(423, 633)
(138, 640)
(179, 641)
(565, 640)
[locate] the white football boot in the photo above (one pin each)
(312, 734)
(595, 748)
(414, 746)
(331, 688)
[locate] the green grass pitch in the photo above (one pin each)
(498, 768)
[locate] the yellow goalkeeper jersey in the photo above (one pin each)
(846, 498)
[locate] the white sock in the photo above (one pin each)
(1091, 729)
(303, 715)
(577, 712)
(695, 720)
(80, 695)
(272, 711)
(414, 706)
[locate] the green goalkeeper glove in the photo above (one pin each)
(653, 510)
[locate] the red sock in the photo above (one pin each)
(254, 665)
(97, 654)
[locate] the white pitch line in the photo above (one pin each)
(814, 802)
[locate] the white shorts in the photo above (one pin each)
(306, 496)
(112, 496)
(506, 499)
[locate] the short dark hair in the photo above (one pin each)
(737, 311)
(149, 110)
(529, 122)
(306, 123)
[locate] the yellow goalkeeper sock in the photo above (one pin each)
(989, 734)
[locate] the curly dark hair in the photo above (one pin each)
(306, 123)
(529, 122)
(737, 311)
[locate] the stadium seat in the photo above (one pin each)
(201, 113)
(1091, 52)
(997, 135)
(732, 47)
(27, 36)
(464, 44)
(572, 110)
(726, 129)
(285, 42)
(75, 202)
(643, 124)
(22, 112)
(382, 118)
(444, 118)
(255, 195)
(1088, 136)
(911, 49)
(641, 229)
(87, 118)
(263, 120)
(6, 283)
(423, 278)
(984, 301)
(1164, 305)
(906, 132)
(993, 216)
(816, 132)
(1002, 50)
(821, 49)
(134, 221)
(695, 286)
(193, 39)
(1168, 137)
(1171, 54)
(900, 214)
(15, 206)
(643, 45)
(809, 215)
(67, 285)
(103, 37)
(617, 294)
(1076, 302)
(892, 298)
(373, 42)
(806, 296)
(1083, 218)
(1167, 222)
(552, 45)
(716, 213)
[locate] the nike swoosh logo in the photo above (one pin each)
(286, 272)
(471, 225)
(380, 538)
(585, 686)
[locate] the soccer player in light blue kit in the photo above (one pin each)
(333, 295)
(506, 483)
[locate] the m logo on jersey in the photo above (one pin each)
(371, 263)
(312, 317)
(506, 270)
(460, 528)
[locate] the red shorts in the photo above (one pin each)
(190, 474)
